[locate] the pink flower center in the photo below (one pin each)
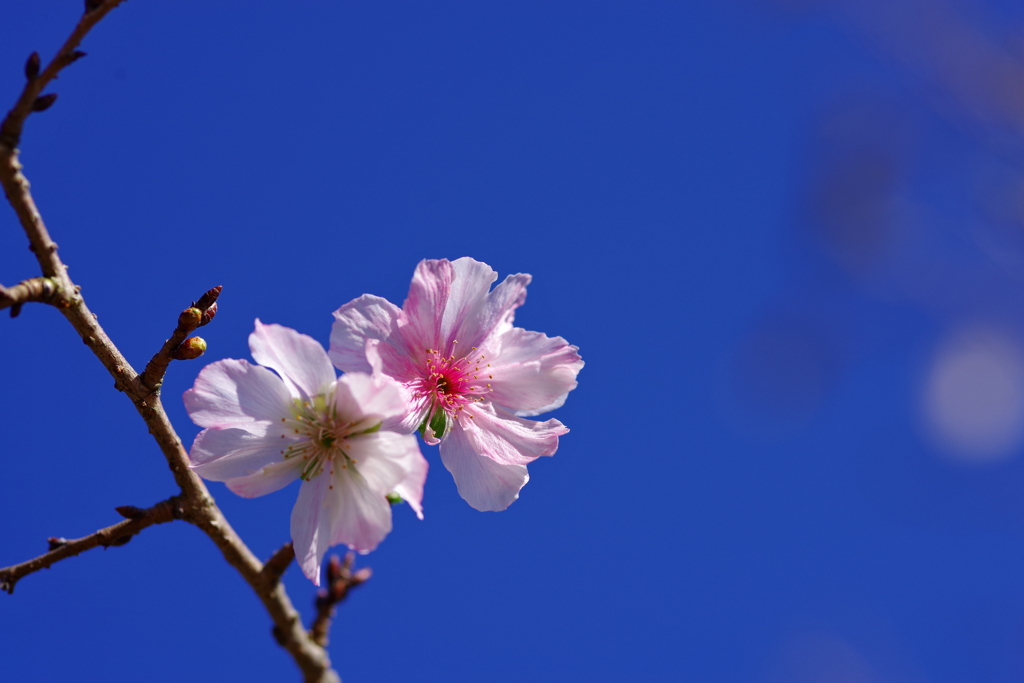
(451, 382)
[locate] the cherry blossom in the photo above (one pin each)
(470, 376)
(265, 430)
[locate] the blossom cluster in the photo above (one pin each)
(448, 364)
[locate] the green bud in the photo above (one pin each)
(190, 318)
(193, 347)
(438, 423)
(394, 498)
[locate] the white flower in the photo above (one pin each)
(263, 431)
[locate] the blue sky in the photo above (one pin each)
(786, 236)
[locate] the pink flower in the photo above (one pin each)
(264, 431)
(470, 376)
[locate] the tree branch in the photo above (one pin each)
(340, 580)
(197, 505)
(199, 313)
(10, 130)
(275, 567)
(42, 289)
(118, 534)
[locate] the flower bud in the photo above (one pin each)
(44, 102)
(208, 299)
(193, 347)
(32, 66)
(190, 318)
(131, 512)
(394, 498)
(208, 314)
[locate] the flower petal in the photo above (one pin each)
(361, 517)
(471, 282)
(298, 358)
(391, 462)
(269, 479)
(362, 319)
(532, 373)
(311, 525)
(424, 307)
(359, 396)
(494, 316)
(411, 487)
(483, 483)
(222, 454)
(235, 393)
(507, 439)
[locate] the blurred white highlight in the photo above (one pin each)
(973, 397)
(822, 658)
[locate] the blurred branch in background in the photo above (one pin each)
(340, 580)
(914, 199)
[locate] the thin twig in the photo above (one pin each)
(198, 506)
(340, 580)
(178, 347)
(41, 289)
(10, 130)
(275, 567)
(118, 534)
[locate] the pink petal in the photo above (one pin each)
(423, 308)
(483, 483)
(298, 358)
(391, 462)
(361, 517)
(409, 418)
(495, 314)
(470, 285)
(311, 525)
(360, 396)
(235, 393)
(369, 317)
(532, 373)
(507, 439)
(222, 454)
(269, 479)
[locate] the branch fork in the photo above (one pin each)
(45, 290)
(194, 503)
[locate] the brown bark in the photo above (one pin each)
(194, 503)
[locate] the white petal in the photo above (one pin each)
(361, 517)
(483, 483)
(506, 438)
(222, 454)
(235, 393)
(298, 358)
(269, 479)
(311, 525)
(411, 486)
(383, 459)
(532, 373)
